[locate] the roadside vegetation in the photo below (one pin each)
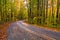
(39, 12)
(45, 13)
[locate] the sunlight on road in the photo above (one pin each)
(25, 24)
(41, 35)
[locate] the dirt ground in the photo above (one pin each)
(3, 29)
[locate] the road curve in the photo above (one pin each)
(22, 31)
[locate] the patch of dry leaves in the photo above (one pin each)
(3, 29)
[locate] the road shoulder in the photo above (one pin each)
(44, 27)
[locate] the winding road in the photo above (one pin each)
(22, 31)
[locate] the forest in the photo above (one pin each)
(40, 12)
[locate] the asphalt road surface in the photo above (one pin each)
(22, 31)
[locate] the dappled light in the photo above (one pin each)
(29, 19)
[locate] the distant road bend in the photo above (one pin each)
(22, 31)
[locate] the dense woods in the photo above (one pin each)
(41, 12)
(12, 10)
(44, 12)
